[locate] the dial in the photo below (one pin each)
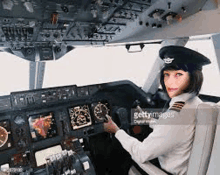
(100, 111)
(80, 116)
(3, 136)
(80, 120)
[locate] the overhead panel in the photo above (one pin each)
(52, 28)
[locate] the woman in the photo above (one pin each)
(172, 136)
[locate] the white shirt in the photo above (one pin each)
(171, 139)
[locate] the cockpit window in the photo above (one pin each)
(14, 74)
(93, 65)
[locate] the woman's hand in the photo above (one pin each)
(110, 126)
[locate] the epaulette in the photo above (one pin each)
(177, 106)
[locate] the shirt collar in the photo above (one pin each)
(182, 97)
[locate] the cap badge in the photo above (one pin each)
(168, 60)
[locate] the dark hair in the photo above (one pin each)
(195, 73)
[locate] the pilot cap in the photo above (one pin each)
(182, 55)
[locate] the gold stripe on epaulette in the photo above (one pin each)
(174, 109)
(177, 106)
(179, 102)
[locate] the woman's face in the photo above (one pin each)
(176, 81)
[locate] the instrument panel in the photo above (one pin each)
(58, 118)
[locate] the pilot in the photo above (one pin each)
(173, 133)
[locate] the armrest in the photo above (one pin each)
(149, 168)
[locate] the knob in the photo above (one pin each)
(21, 144)
(19, 132)
(55, 35)
(47, 35)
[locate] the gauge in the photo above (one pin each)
(80, 120)
(3, 136)
(100, 111)
(80, 116)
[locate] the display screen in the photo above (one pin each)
(42, 126)
(80, 116)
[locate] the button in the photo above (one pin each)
(73, 171)
(67, 172)
(86, 165)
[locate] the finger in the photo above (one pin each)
(107, 118)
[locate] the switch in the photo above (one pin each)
(81, 140)
(183, 9)
(169, 5)
(86, 165)
(154, 25)
(73, 171)
(159, 26)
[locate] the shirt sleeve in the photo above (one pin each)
(163, 139)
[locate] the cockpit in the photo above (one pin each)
(65, 65)
(60, 129)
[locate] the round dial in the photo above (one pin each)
(100, 111)
(3, 136)
(81, 119)
(80, 116)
